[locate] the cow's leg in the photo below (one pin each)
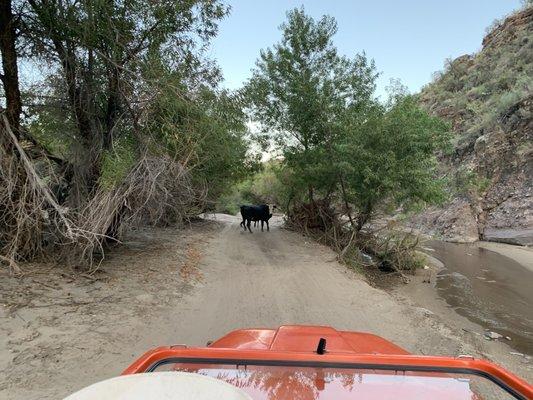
(262, 225)
(248, 225)
(268, 228)
(243, 223)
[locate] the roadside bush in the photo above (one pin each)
(468, 182)
(262, 187)
(117, 162)
(397, 251)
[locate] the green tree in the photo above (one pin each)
(338, 141)
(389, 158)
(204, 130)
(102, 52)
(301, 87)
(129, 108)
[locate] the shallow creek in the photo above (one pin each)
(488, 288)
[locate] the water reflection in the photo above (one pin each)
(272, 383)
(488, 288)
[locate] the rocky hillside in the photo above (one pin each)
(488, 98)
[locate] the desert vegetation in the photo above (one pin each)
(487, 96)
(126, 124)
(346, 156)
(123, 123)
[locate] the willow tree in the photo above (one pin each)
(128, 103)
(338, 141)
(388, 159)
(299, 90)
(99, 51)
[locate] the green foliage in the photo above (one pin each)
(205, 133)
(49, 124)
(238, 195)
(389, 158)
(468, 182)
(301, 87)
(52, 131)
(117, 163)
(337, 141)
(136, 69)
(262, 187)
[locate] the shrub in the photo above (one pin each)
(263, 187)
(468, 182)
(117, 162)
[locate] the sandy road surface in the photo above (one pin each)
(224, 280)
(279, 277)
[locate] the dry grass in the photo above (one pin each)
(157, 190)
(189, 270)
(391, 252)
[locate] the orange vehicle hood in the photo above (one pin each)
(302, 338)
(284, 363)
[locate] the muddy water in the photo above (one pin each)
(487, 288)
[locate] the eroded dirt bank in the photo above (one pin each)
(166, 287)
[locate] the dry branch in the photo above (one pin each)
(392, 251)
(157, 190)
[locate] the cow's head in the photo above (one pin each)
(269, 215)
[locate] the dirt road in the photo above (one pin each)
(195, 285)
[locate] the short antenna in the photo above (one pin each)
(321, 348)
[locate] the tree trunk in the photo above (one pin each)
(9, 77)
(346, 205)
(113, 107)
(364, 217)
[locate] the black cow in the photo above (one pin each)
(255, 213)
(258, 220)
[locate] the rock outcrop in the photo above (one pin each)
(509, 29)
(488, 99)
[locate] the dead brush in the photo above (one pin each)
(157, 190)
(392, 251)
(30, 219)
(318, 220)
